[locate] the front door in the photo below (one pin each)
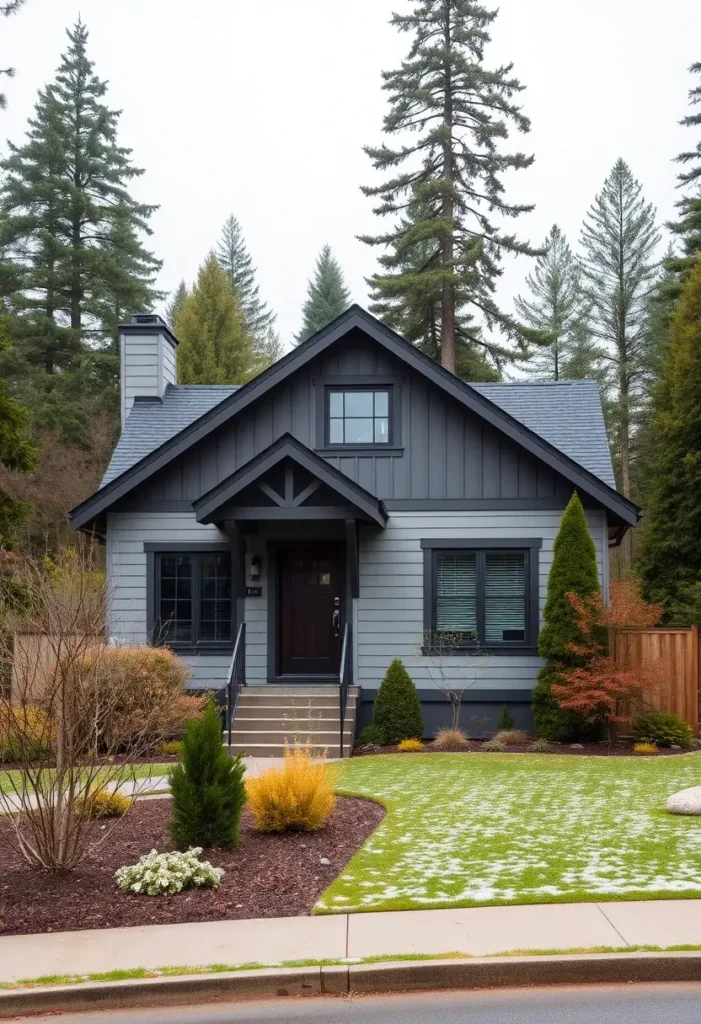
(310, 610)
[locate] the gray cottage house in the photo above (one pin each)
(353, 503)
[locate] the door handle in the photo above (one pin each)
(336, 622)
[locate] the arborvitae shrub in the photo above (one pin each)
(397, 707)
(207, 787)
(573, 571)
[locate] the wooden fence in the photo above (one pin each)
(678, 651)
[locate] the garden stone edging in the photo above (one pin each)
(686, 801)
(397, 976)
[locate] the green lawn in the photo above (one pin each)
(466, 830)
(142, 771)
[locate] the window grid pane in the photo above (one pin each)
(358, 417)
(175, 612)
(178, 598)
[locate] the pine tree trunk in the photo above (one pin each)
(447, 244)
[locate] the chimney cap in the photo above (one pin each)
(148, 323)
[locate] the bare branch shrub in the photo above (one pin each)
(452, 680)
(81, 714)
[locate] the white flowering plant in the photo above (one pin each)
(162, 874)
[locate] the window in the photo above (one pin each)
(193, 598)
(481, 596)
(358, 416)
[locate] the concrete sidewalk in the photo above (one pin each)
(156, 784)
(484, 931)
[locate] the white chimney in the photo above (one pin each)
(147, 359)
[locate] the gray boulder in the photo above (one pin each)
(686, 801)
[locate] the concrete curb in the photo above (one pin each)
(398, 976)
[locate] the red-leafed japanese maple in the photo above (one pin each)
(598, 689)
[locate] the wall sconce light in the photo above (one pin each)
(255, 568)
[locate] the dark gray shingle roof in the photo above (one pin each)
(568, 414)
(151, 424)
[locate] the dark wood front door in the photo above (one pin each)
(310, 610)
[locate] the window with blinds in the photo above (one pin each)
(504, 597)
(456, 594)
(480, 597)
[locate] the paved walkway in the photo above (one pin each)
(479, 932)
(154, 785)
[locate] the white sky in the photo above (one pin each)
(261, 109)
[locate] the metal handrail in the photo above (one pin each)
(237, 677)
(345, 675)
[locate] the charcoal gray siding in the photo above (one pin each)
(445, 452)
(389, 611)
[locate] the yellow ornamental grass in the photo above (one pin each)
(411, 746)
(643, 749)
(104, 804)
(295, 797)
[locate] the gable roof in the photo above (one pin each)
(467, 395)
(152, 422)
(567, 413)
(288, 447)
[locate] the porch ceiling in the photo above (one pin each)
(288, 481)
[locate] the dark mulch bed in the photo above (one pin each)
(267, 876)
(619, 748)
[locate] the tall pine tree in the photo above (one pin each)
(215, 347)
(236, 261)
(671, 555)
(17, 454)
(554, 305)
(688, 227)
(619, 238)
(71, 228)
(451, 112)
(175, 304)
(327, 295)
(416, 314)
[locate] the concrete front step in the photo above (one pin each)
(249, 700)
(316, 737)
(289, 714)
(275, 750)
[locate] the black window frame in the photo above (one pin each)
(155, 552)
(359, 382)
(529, 547)
(340, 389)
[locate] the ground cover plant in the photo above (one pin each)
(494, 829)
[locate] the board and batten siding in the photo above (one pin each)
(388, 614)
(127, 581)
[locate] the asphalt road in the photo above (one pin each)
(614, 1004)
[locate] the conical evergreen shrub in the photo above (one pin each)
(573, 571)
(207, 788)
(397, 706)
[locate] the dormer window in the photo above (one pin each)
(358, 416)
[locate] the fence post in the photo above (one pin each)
(694, 643)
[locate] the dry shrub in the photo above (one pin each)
(25, 729)
(105, 709)
(103, 804)
(411, 746)
(295, 797)
(450, 738)
(511, 737)
(643, 749)
(151, 686)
